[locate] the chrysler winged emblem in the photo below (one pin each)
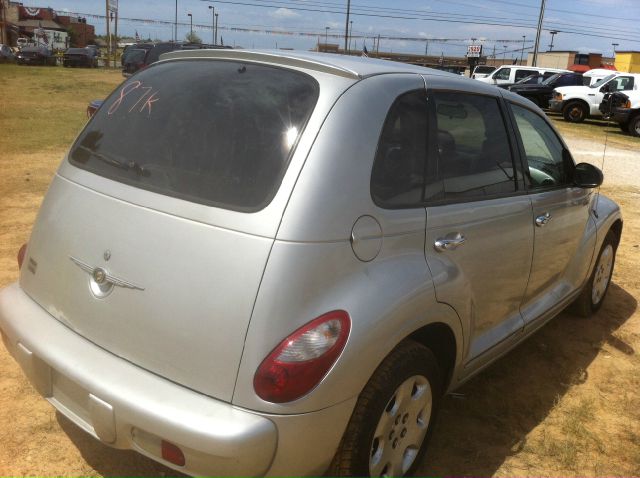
(101, 281)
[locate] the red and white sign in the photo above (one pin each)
(474, 51)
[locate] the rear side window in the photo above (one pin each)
(398, 171)
(520, 74)
(218, 133)
(472, 158)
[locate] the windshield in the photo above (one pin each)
(218, 133)
(601, 82)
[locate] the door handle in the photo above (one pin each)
(449, 242)
(543, 219)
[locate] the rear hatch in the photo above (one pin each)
(146, 265)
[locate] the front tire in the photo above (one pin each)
(595, 290)
(575, 112)
(393, 418)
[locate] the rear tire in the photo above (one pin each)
(393, 418)
(633, 127)
(595, 290)
(575, 112)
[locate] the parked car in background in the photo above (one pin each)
(6, 54)
(540, 93)
(593, 76)
(481, 71)
(510, 74)
(260, 291)
(577, 103)
(139, 58)
(36, 55)
(80, 57)
(624, 109)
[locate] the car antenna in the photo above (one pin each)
(604, 153)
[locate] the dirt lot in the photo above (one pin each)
(566, 402)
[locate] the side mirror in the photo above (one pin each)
(587, 176)
(605, 88)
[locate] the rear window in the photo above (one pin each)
(218, 133)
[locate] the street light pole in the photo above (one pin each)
(522, 52)
(213, 24)
(216, 29)
(553, 35)
(175, 24)
(350, 34)
(326, 36)
(614, 49)
(190, 27)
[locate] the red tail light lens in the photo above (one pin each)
(21, 253)
(302, 360)
(172, 453)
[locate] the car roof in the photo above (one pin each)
(354, 67)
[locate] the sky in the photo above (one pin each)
(412, 26)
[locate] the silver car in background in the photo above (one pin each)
(276, 263)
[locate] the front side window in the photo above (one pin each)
(219, 133)
(398, 171)
(472, 155)
(502, 74)
(547, 166)
(621, 83)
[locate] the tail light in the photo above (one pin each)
(21, 253)
(172, 453)
(302, 360)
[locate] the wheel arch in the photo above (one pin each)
(441, 340)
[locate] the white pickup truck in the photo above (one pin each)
(577, 103)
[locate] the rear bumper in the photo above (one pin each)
(555, 105)
(125, 406)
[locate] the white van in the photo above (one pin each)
(593, 76)
(507, 74)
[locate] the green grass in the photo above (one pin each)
(45, 107)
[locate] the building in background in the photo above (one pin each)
(571, 60)
(42, 26)
(628, 61)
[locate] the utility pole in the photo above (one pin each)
(326, 37)
(108, 34)
(216, 31)
(535, 47)
(553, 34)
(426, 48)
(115, 50)
(350, 34)
(175, 24)
(190, 27)
(378, 45)
(522, 52)
(213, 24)
(346, 26)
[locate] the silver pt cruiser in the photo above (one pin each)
(276, 263)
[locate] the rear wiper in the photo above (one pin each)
(128, 166)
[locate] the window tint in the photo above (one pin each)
(569, 80)
(621, 83)
(398, 171)
(213, 132)
(520, 74)
(502, 74)
(543, 150)
(472, 154)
